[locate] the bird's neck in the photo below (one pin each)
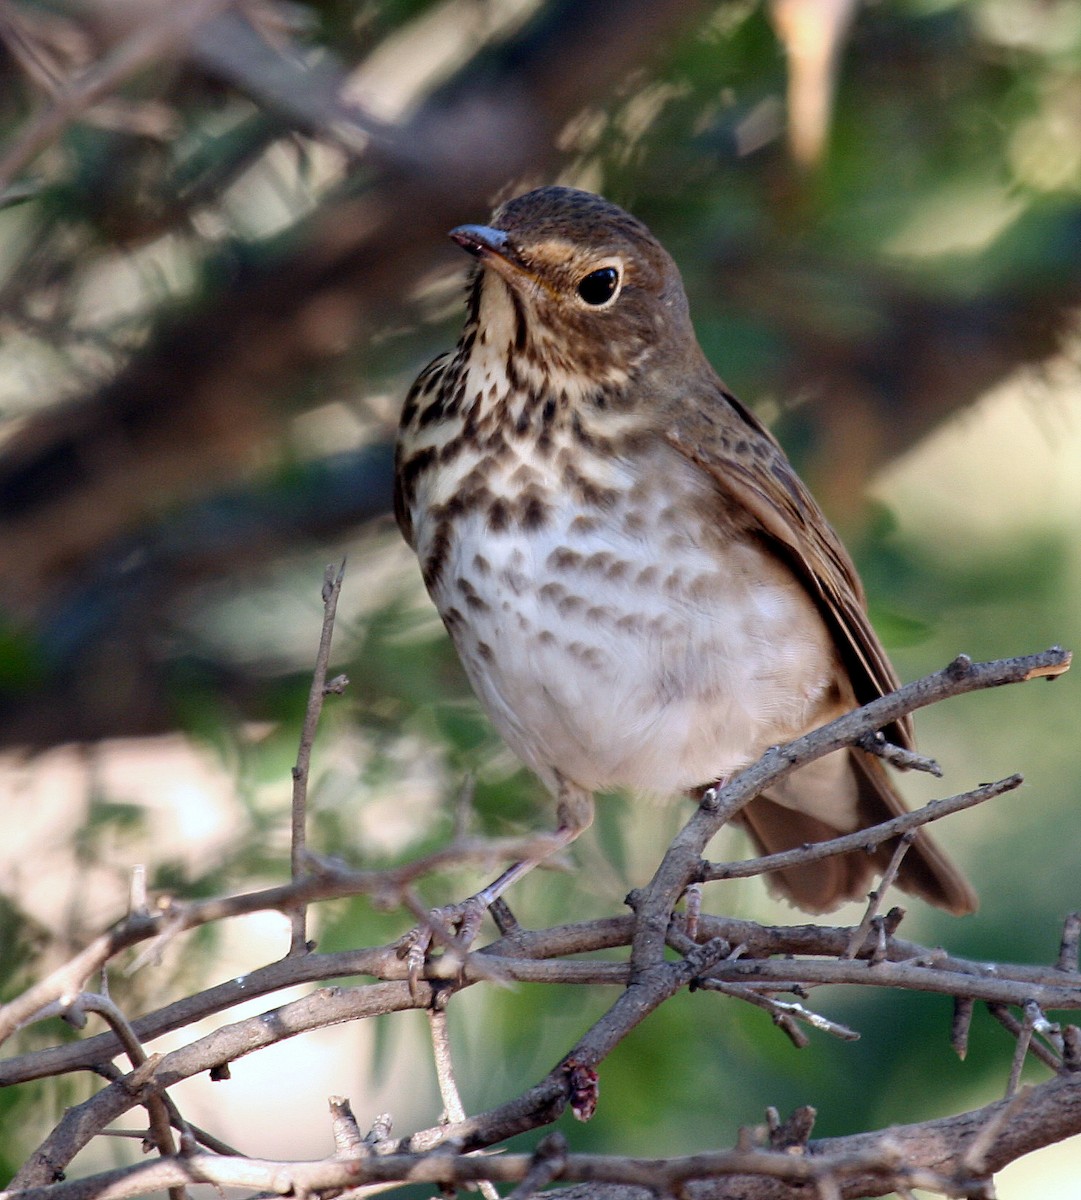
(512, 367)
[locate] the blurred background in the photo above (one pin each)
(222, 262)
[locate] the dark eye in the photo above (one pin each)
(598, 287)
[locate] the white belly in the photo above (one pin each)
(639, 653)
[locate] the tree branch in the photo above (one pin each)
(934, 1154)
(740, 960)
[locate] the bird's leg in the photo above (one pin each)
(575, 815)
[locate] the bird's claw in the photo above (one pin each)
(454, 927)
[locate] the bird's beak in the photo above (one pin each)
(481, 241)
(495, 249)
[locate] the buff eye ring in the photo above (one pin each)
(599, 287)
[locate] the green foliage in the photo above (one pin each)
(21, 666)
(22, 940)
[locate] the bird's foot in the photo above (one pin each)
(454, 927)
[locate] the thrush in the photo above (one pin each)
(641, 590)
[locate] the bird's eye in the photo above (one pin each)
(598, 287)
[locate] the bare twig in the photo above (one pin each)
(444, 1071)
(64, 983)
(997, 1119)
(549, 1162)
(348, 1140)
(785, 1013)
(382, 1128)
(904, 844)
(792, 1133)
(1024, 1039)
(332, 586)
(897, 756)
(680, 865)
(329, 882)
(161, 1112)
(1033, 1021)
(444, 1066)
(532, 956)
(866, 839)
(328, 1008)
(675, 872)
(201, 1137)
(782, 974)
(864, 1164)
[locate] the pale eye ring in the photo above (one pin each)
(598, 287)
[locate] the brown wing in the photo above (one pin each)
(409, 458)
(730, 443)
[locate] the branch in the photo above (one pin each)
(862, 839)
(960, 677)
(752, 972)
(453, 1108)
(538, 956)
(332, 586)
(541, 1103)
(161, 1112)
(173, 918)
(934, 1154)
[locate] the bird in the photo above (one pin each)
(642, 592)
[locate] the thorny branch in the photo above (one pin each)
(334, 882)
(742, 960)
(869, 839)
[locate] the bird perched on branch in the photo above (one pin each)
(643, 593)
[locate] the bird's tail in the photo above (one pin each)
(838, 794)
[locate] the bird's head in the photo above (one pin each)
(573, 284)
